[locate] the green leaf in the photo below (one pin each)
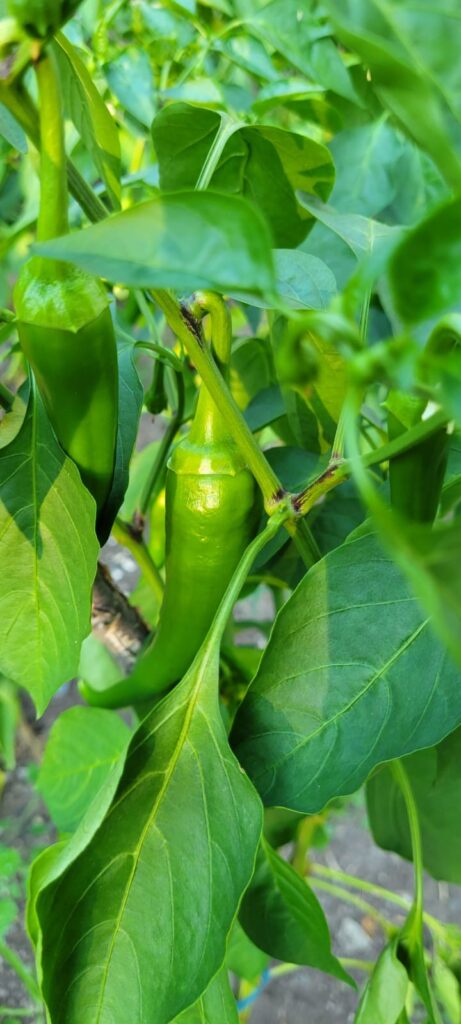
(52, 863)
(362, 234)
(243, 957)
(386, 991)
(405, 52)
(90, 116)
(265, 164)
(131, 896)
(282, 916)
(216, 1004)
(183, 241)
(303, 281)
(352, 676)
(435, 777)
(431, 559)
(290, 27)
(425, 270)
(82, 747)
(48, 564)
(130, 78)
(446, 988)
(12, 131)
(365, 158)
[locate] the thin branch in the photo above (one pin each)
(115, 622)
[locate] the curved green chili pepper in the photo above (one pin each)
(211, 515)
(415, 476)
(64, 323)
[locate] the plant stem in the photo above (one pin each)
(358, 965)
(381, 893)
(21, 970)
(164, 354)
(272, 527)
(6, 397)
(221, 323)
(8, 1011)
(403, 782)
(52, 218)
(355, 901)
(227, 127)
(124, 534)
(150, 489)
(340, 470)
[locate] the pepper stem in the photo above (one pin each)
(52, 218)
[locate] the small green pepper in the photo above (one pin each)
(211, 516)
(64, 323)
(415, 476)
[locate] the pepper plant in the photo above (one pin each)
(238, 221)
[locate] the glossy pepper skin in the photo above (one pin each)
(211, 516)
(66, 333)
(42, 18)
(415, 476)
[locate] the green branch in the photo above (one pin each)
(52, 218)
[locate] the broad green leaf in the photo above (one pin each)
(216, 1004)
(265, 164)
(182, 240)
(281, 914)
(303, 281)
(336, 517)
(319, 374)
(363, 235)
(9, 719)
(431, 560)
(251, 369)
(130, 79)
(130, 399)
(266, 407)
(425, 270)
(243, 957)
(435, 777)
(289, 26)
(446, 988)
(249, 54)
(82, 747)
(53, 862)
(131, 896)
(405, 52)
(386, 991)
(352, 676)
(48, 553)
(12, 131)
(365, 159)
(284, 91)
(90, 116)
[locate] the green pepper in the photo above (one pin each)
(42, 18)
(64, 323)
(211, 515)
(415, 476)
